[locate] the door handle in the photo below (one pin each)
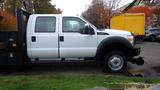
(61, 38)
(33, 38)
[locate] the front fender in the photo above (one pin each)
(113, 40)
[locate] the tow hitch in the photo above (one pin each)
(138, 61)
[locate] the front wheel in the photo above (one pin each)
(115, 62)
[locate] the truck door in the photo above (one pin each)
(72, 42)
(43, 40)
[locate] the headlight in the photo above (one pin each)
(131, 39)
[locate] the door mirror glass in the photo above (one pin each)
(88, 30)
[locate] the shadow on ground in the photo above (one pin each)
(55, 67)
(74, 68)
(151, 68)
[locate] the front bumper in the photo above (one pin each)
(135, 52)
(138, 60)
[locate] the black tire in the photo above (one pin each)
(152, 38)
(109, 60)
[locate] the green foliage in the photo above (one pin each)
(97, 13)
(67, 81)
(12, 5)
(157, 13)
(42, 6)
(45, 7)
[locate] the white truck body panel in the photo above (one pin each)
(46, 45)
(75, 44)
(113, 32)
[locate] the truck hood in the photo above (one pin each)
(114, 32)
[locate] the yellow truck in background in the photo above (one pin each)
(134, 23)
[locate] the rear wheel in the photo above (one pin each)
(115, 62)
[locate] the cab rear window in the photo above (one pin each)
(45, 24)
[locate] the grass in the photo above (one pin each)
(67, 81)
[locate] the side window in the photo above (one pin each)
(45, 24)
(73, 24)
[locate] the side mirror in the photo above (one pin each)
(88, 30)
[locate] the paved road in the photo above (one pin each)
(150, 52)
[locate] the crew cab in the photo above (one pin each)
(54, 36)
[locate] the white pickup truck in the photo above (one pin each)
(52, 37)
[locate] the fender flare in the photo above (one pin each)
(111, 40)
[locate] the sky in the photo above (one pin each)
(76, 7)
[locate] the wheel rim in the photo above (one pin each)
(115, 62)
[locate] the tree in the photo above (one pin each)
(141, 9)
(1, 4)
(100, 11)
(96, 13)
(42, 6)
(8, 22)
(156, 11)
(113, 4)
(11, 6)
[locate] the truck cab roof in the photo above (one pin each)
(53, 15)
